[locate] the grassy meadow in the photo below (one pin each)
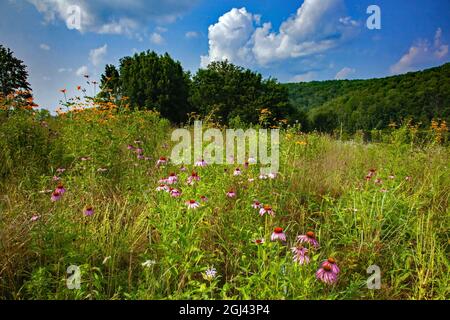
(383, 202)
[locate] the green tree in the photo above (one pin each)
(157, 82)
(13, 73)
(232, 92)
(110, 83)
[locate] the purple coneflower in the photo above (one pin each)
(259, 241)
(55, 196)
(326, 275)
(140, 151)
(309, 237)
(257, 205)
(272, 175)
(266, 209)
(161, 161)
(192, 204)
(331, 263)
(60, 170)
(263, 177)
(56, 178)
(192, 178)
(300, 255)
(60, 189)
(231, 194)
(88, 211)
(35, 218)
(172, 178)
(183, 169)
(237, 172)
(201, 163)
(203, 198)
(162, 187)
(378, 181)
(140, 157)
(175, 193)
(278, 234)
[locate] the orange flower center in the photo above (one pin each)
(327, 268)
(331, 260)
(311, 235)
(278, 230)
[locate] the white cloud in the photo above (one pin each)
(115, 16)
(422, 54)
(344, 73)
(61, 70)
(316, 27)
(161, 29)
(45, 47)
(304, 77)
(192, 34)
(82, 71)
(96, 56)
(156, 38)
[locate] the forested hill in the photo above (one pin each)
(374, 103)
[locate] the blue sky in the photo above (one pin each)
(289, 40)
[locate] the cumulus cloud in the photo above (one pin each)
(82, 71)
(156, 38)
(304, 77)
(422, 54)
(44, 46)
(96, 56)
(114, 16)
(191, 34)
(317, 26)
(344, 73)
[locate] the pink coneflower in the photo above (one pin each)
(192, 178)
(326, 275)
(56, 178)
(175, 193)
(259, 241)
(257, 205)
(201, 163)
(183, 169)
(278, 234)
(203, 198)
(237, 172)
(391, 176)
(55, 196)
(162, 181)
(383, 190)
(378, 181)
(246, 165)
(310, 238)
(272, 175)
(300, 255)
(162, 187)
(130, 147)
(88, 211)
(231, 194)
(140, 157)
(331, 263)
(60, 170)
(161, 161)
(140, 151)
(35, 218)
(266, 209)
(60, 189)
(263, 177)
(172, 178)
(192, 204)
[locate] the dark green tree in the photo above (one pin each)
(110, 83)
(151, 81)
(13, 73)
(229, 92)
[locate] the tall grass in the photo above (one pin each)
(400, 224)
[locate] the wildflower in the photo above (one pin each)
(272, 175)
(331, 263)
(35, 218)
(192, 178)
(237, 172)
(383, 190)
(162, 187)
(192, 204)
(246, 165)
(148, 263)
(203, 198)
(266, 209)
(183, 169)
(60, 189)
(140, 151)
(391, 176)
(310, 238)
(175, 193)
(378, 181)
(326, 275)
(78, 88)
(210, 274)
(55, 196)
(201, 163)
(300, 255)
(371, 174)
(263, 177)
(259, 241)
(140, 157)
(231, 194)
(172, 178)
(161, 162)
(130, 147)
(89, 211)
(60, 170)
(256, 205)
(278, 234)
(56, 178)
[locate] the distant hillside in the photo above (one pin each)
(374, 103)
